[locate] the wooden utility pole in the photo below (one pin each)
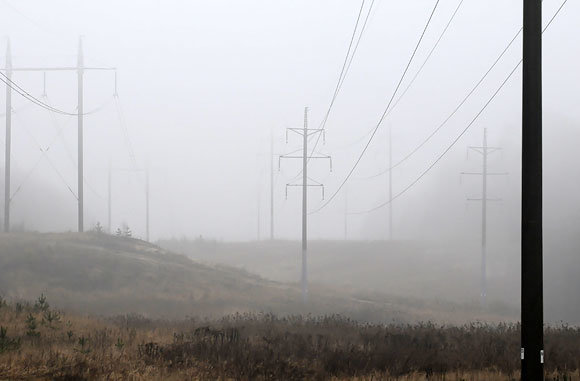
(532, 299)
(8, 153)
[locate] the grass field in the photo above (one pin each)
(38, 342)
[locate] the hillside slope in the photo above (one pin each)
(101, 274)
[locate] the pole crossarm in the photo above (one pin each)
(308, 132)
(320, 156)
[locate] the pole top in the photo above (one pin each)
(8, 54)
(81, 60)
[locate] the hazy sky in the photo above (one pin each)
(203, 84)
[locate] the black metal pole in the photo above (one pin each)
(532, 351)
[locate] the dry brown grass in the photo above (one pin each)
(248, 347)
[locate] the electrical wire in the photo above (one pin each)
(428, 57)
(343, 72)
(412, 81)
(25, 94)
(60, 135)
(384, 112)
(448, 148)
(452, 114)
(464, 100)
(45, 155)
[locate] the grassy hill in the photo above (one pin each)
(101, 274)
(443, 271)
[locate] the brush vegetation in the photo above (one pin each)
(39, 342)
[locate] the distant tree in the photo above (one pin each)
(119, 232)
(127, 231)
(98, 228)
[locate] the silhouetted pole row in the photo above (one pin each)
(532, 309)
(80, 69)
(305, 132)
(484, 150)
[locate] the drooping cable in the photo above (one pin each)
(384, 112)
(448, 148)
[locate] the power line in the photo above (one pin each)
(384, 112)
(452, 114)
(25, 94)
(44, 153)
(341, 81)
(439, 39)
(464, 130)
(345, 64)
(428, 57)
(343, 72)
(125, 132)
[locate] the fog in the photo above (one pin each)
(203, 85)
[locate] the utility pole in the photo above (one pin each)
(109, 200)
(147, 204)
(304, 278)
(258, 213)
(271, 186)
(484, 150)
(390, 206)
(346, 212)
(305, 132)
(8, 153)
(80, 144)
(80, 68)
(532, 297)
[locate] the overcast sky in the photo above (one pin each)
(203, 84)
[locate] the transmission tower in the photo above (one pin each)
(80, 69)
(485, 151)
(305, 132)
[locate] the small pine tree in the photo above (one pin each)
(41, 303)
(119, 232)
(127, 231)
(31, 326)
(99, 228)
